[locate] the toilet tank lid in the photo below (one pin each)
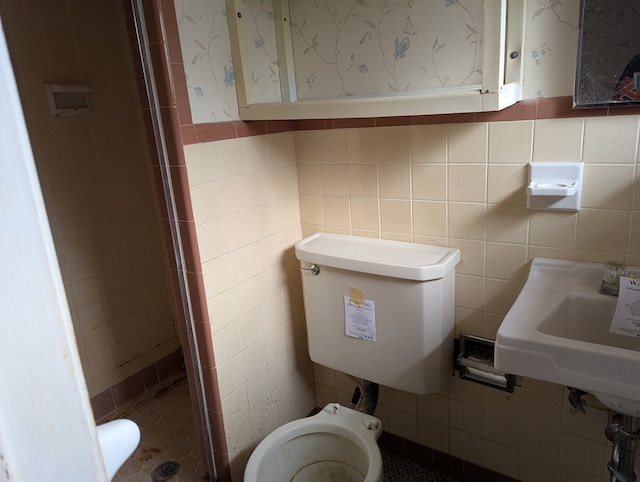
(382, 257)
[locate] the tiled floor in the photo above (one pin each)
(165, 418)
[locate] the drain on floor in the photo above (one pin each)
(165, 471)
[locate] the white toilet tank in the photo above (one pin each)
(380, 310)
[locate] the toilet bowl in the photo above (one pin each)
(338, 443)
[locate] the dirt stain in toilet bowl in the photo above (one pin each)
(328, 471)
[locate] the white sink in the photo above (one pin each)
(558, 331)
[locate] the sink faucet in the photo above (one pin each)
(611, 277)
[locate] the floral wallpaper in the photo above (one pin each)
(551, 47)
(204, 39)
(261, 38)
(361, 47)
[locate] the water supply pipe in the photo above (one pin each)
(623, 433)
(365, 396)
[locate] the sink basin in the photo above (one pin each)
(558, 331)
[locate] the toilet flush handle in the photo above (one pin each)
(314, 269)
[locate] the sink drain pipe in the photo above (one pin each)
(623, 433)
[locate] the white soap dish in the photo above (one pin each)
(553, 187)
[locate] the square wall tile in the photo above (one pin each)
(403, 424)
(470, 322)
(335, 179)
(542, 409)
(553, 228)
(500, 458)
(394, 144)
(336, 211)
(470, 292)
(467, 220)
(429, 182)
(365, 214)
(550, 145)
(510, 142)
(332, 146)
(583, 454)
(467, 183)
(395, 216)
(539, 440)
(309, 180)
(611, 139)
(467, 143)
(433, 407)
(394, 181)
(507, 262)
(507, 224)
(465, 446)
(279, 150)
(311, 210)
(429, 144)
(532, 468)
(603, 231)
(608, 186)
(500, 295)
(507, 184)
(434, 435)
(362, 146)
(363, 180)
(429, 218)
(500, 428)
(472, 256)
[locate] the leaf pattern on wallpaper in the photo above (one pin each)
(260, 29)
(208, 67)
(549, 53)
(331, 56)
(363, 47)
(555, 8)
(473, 38)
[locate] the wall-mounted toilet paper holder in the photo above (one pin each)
(474, 362)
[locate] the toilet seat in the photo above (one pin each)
(337, 442)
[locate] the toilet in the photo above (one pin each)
(337, 444)
(379, 310)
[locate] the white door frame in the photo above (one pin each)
(47, 426)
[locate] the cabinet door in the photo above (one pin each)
(296, 59)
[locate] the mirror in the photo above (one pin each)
(608, 67)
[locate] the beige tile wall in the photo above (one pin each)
(245, 201)
(463, 185)
(96, 180)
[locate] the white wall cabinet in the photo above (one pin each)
(296, 59)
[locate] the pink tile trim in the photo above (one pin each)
(353, 123)
(112, 398)
(216, 131)
(170, 26)
(191, 251)
(548, 108)
(524, 110)
(397, 121)
(179, 131)
(254, 128)
(274, 127)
